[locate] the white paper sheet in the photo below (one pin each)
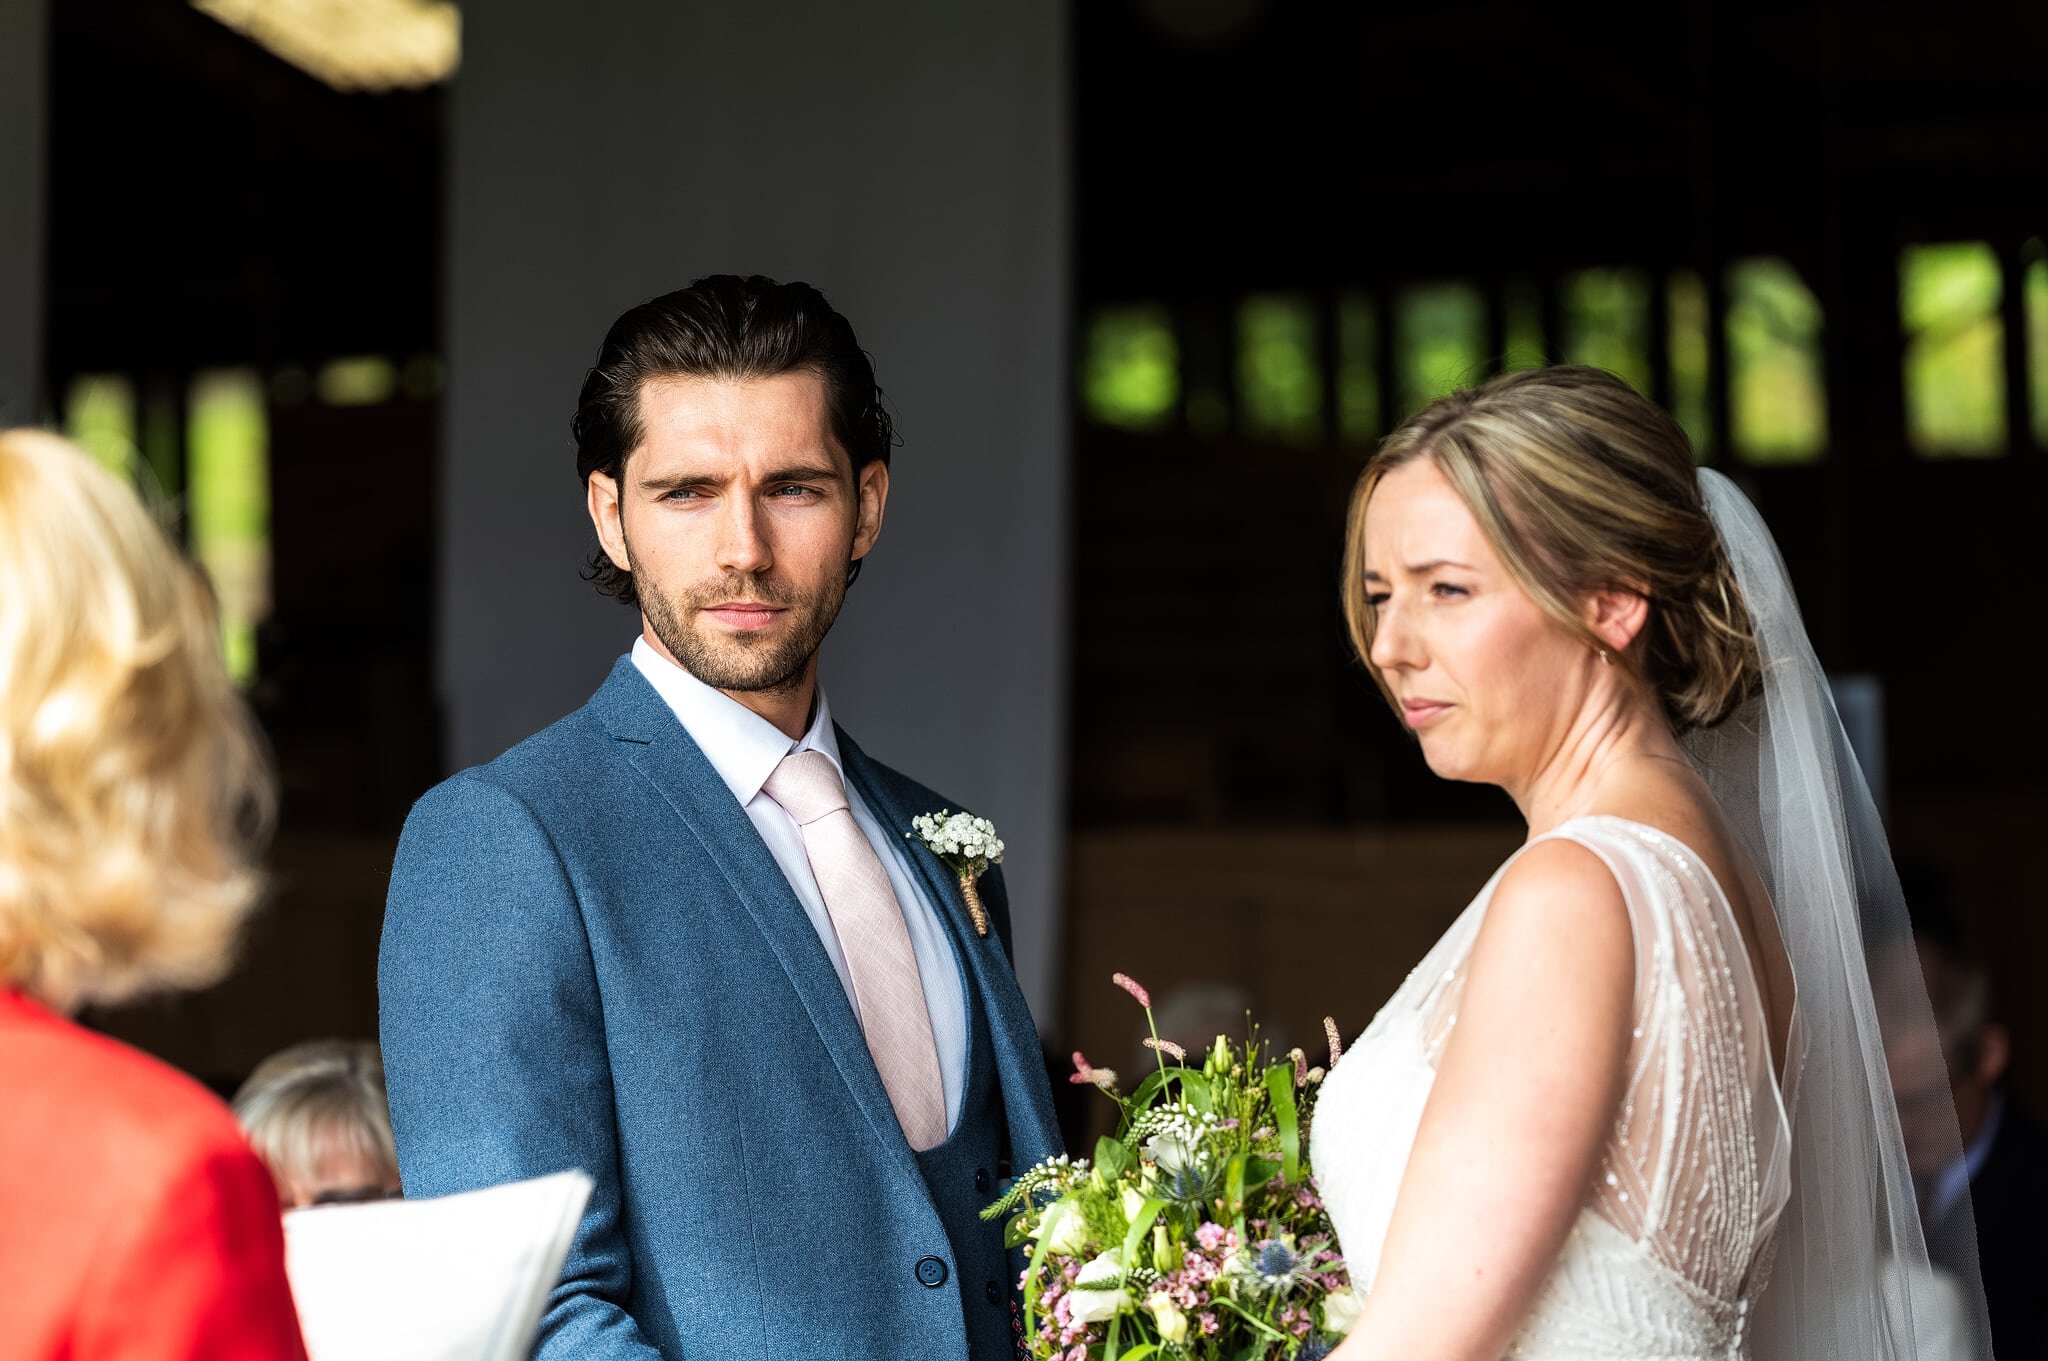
(461, 1278)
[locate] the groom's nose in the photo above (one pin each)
(742, 544)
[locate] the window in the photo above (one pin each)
(1776, 393)
(1607, 322)
(228, 504)
(1130, 368)
(1949, 298)
(2036, 257)
(1441, 331)
(99, 416)
(1279, 381)
(1687, 345)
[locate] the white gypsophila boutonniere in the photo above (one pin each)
(968, 845)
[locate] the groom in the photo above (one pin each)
(680, 940)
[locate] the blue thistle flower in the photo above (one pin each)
(1315, 1349)
(1275, 1262)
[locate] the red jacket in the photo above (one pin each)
(134, 1221)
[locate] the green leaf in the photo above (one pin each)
(1113, 1158)
(1016, 1233)
(1115, 1326)
(1140, 1352)
(1258, 1171)
(1053, 1214)
(1233, 1188)
(1286, 1118)
(1266, 1329)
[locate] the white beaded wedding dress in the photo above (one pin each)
(1672, 1246)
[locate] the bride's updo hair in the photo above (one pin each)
(1581, 484)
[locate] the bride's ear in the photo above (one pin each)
(1616, 615)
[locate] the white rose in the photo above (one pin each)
(1096, 1306)
(1340, 1311)
(1063, 1230)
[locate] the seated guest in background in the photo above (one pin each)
(317, 1117)
(134, 1220)
(2004, 1166)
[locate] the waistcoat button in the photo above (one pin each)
(994, 1291)
(931, 1272)
(981, 1181)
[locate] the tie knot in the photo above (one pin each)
(807, 787)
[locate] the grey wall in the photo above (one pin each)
(907, 159)
(22, 132)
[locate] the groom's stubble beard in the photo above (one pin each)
(742, 662)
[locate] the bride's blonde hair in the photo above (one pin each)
(134, 792)
(1581, 484)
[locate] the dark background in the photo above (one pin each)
(1292, 222)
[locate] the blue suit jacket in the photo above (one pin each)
(590, 959)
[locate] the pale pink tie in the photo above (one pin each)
(888, 990)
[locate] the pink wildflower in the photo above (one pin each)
(1134, 988)
(1330, 1034)
(1083, 1073)
(1209, 1324)
(1210, 1235)
(1167, 1047)
(1300, 1067)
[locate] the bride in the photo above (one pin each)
(1633, 1104)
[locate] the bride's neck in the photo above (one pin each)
(1571, 778)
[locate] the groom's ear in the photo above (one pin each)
(871, 498)
(1617, 614)
(602, 496)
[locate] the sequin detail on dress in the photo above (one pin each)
(1673, 1246)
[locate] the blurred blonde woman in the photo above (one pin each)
(132, 790)
(317, 1116)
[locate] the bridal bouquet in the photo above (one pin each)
(1196, 1231)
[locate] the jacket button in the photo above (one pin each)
(994, 1291)
(981, 1181)
(931, 1272)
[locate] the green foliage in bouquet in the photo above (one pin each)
(1195, 1234)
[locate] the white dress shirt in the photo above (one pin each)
(744, 748)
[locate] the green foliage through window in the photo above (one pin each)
(1130, 368)
(1607, 322)
(1441, 333)
(1949, 298)
(1279, 376)
(2037, 335)
(1688, 347)
(228, 499)
(99, 416)
(1776, 388)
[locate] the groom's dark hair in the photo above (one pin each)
(728, 327)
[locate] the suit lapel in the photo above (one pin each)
(650, 738)
(1020, 1067)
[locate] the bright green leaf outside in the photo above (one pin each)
(1130, 368)
(1776, 390)
(1949, 298)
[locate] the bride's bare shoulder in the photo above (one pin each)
(1558, 908)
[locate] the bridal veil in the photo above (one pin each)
(1852, 1279)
